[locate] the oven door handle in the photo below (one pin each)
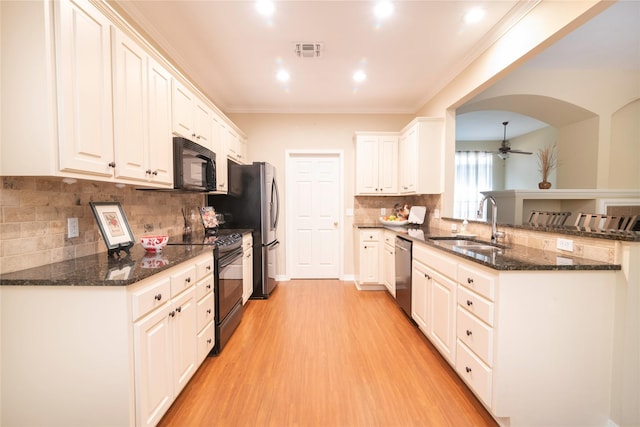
(230, 258)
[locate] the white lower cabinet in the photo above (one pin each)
(389, 262)
(533, 346)
(434, 298)
(247, 267)
(173, 335)
(368, 259)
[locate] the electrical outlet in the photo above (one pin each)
(383, 211)
(436, 213)
(72, 228)
(565, 244)
(454, 227)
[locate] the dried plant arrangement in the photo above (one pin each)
(547, 162)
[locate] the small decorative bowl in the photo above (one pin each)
(154, 243)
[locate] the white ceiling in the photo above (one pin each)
(233, 54)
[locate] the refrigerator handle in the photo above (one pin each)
(274, 192)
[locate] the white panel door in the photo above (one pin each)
(314, 209)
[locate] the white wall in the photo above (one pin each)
(522, 171)
(270, 135)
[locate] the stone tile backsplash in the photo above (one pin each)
(34, 212)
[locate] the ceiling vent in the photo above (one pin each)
(308, 50)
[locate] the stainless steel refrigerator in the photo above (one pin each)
(253, 202)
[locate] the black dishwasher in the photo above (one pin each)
(403, 274)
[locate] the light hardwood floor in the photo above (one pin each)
(320, 353)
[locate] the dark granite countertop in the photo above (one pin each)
(102, 270)
(511, 257)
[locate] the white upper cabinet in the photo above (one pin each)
(236, 146)
(84, 82)
(160, 147)
(422, 157)
(192, 118)
(87, 93)
(142, 110)
(376, 164)
(220, 148)
(130, 102)
(183, 102)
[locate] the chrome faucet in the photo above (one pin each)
(495, 234)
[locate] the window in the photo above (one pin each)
(474, 173)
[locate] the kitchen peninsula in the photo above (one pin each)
(509, 318)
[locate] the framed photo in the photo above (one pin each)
(113, 225)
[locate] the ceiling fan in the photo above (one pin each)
(505, 148)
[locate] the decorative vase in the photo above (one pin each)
(544, 185)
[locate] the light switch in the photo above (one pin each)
(72, 228)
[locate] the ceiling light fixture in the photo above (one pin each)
(503, 156)
(265, 7)
(383, 9)
(359, 76)
(283, 76)
(474, 15)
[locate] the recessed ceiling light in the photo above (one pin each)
(383, 9)
(283, 75)
(474, 15)
(359, 76)
(265, 7)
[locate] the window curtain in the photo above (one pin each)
(474, 173)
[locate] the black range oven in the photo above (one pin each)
(228, 293)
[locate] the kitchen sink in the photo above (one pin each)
(467, 244)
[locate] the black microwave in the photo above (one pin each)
(194, 166)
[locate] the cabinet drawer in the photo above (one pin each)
(204, 267)
(389, 238)
(182, 279)
(372, 235)
(475, 373)
(475, 334)
(476, 304)
(436, 261)
(148, 298)
(206, 341)
(480, 282)
(204, 287)
(205, 311)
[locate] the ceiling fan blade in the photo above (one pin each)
(520, 152)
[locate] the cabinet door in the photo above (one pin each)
(408, 164)
(84, 82)
(184, 339)
(220, 148)
(203, 124)
(442, 312)
(367, 165)
(130, 116)
(153, 366)
(160, 147)
(247, 275)
(389, 265)
(369, 262)
(388, 164)
(182, 102)
(420, 282)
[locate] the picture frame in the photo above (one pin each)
(113, 226)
